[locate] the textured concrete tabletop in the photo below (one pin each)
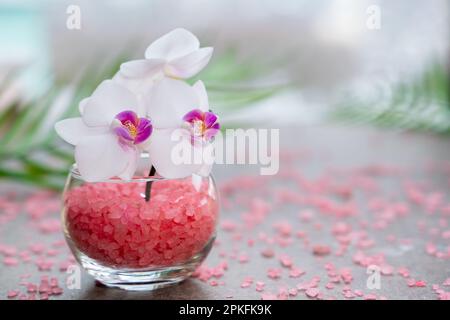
(344, 199)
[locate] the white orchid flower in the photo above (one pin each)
(108, 133)
(174, 106)
(176, 54)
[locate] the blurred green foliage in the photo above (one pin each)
(421, 103)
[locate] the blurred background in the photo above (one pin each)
(290, 63)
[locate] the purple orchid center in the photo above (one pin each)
(203, 125)
(131, 128)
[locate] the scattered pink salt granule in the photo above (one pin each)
(113, 224)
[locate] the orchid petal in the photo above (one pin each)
(127, 115)
(189, 65)
(133, 159)
(82, 104)
(169, 101)
(101, 157)
(141, 68)
(123, 133)
(210, 133)
(193, 115)
(200, 89)
(172, 45)
(160, 150)
(74, 129)
(106, 102)
(210, 119)
(144, 130)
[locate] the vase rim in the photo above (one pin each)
(76, 174)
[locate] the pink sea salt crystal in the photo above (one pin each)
(111, 222)
(293, 292)
(243, 258)
(259, 286)
(213, 283)
(420, 283)
(268, 253)
(403, 271)
(312, 292)
(286, 261)
(284, 228)
(228, 225)
(274, 273)
(321, 250)
(12, 294)
(57, 291)
(269, 296)
(10, 261)
(296, 272)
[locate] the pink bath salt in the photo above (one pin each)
(358, 293)
(248, 281)
(228, 225)
(274, 273)
(420, 283)
(44, 265)
(411, 282)
(44, 288)
(113, 224)
(43, 296)
(286, 261)
(346, 275)
(370, 296)
(37, 248)
(293, 292)
(243, 258)
(268, 253)
(387, 270)
(13, 294)
(306, 215)
(329, 286)
(321, 250)
(269, 296)
(403, 271)
(259, 286)
(63, 266)
(32, 288)
(50, 226)
(296, 272)
(10, 261)
(213, 283)
(57, 291)
(284, 228)
(312, 292)
(8, 250)
(283, 294)
(341, 228)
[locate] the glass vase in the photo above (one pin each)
(143, 233)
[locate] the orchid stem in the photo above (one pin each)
(148, 185)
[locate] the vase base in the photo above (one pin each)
(142, 279)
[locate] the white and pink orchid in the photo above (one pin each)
(181, 118)
(108, 133)
(176, 55)
(140, 109)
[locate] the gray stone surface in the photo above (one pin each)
(318, 149)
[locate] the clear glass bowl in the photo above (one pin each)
(124, 241)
